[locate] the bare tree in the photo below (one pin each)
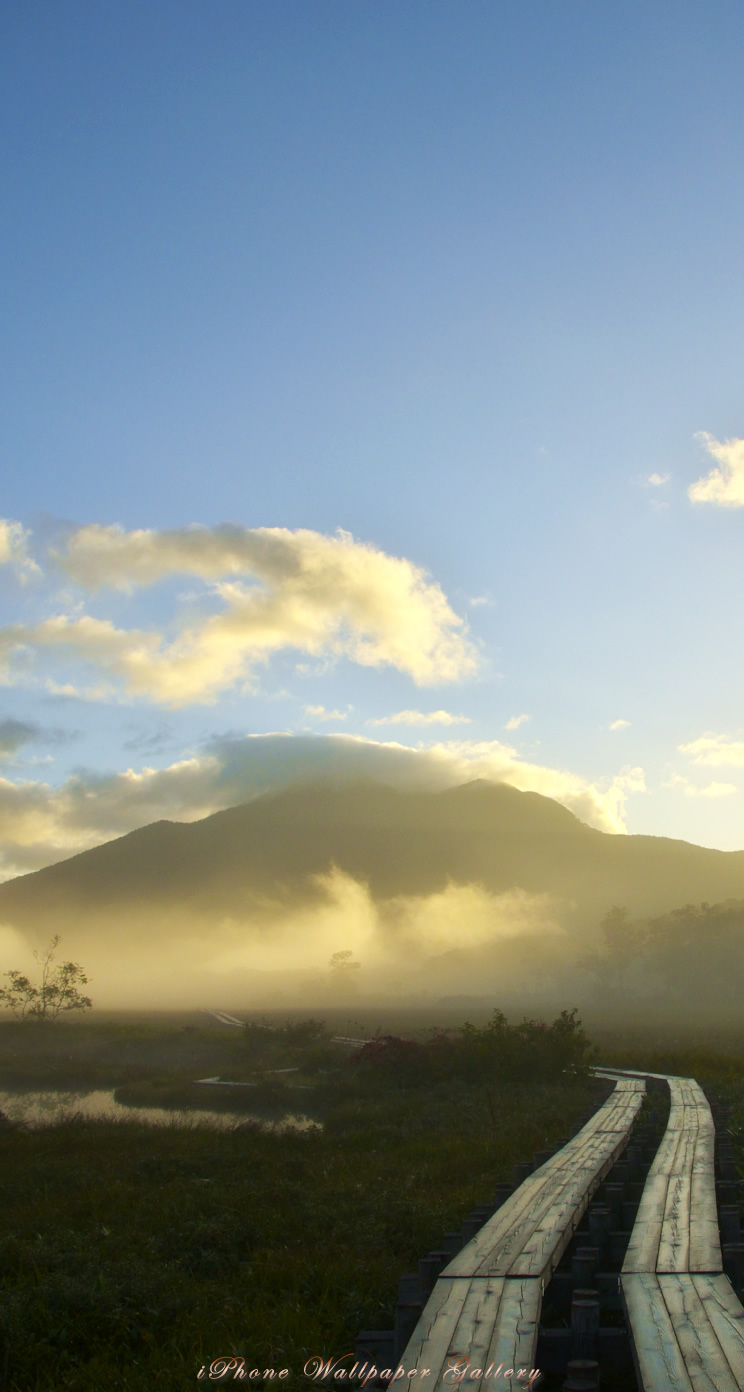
(57, 991)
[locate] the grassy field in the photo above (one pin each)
(131, 1256)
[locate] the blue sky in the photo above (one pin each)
(457, 277)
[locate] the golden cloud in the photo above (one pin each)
(724, 484)
(14, 549)
(415, 717)
(325, 596)
(40, 824)
(514, 722)
(711, 790)
(715, 750)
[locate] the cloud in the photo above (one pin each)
(717, 751)
(515, 722)
(14, 550)
(149, 741)
(724, 485)
(328, 597)
(657, 480)
(40, 824)
(15, 733)
(711, 790)
(320, 713)
(620, 725)
(414, 717)
(67, 691)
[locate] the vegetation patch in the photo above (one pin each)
(132, 1255)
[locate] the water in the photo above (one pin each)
(47, 1108)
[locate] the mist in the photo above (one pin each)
(477, 893)
(406, 947)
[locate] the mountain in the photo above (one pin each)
(267, 851)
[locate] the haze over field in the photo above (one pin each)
(372, 410)
(336, 892)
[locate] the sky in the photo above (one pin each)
(372, 403)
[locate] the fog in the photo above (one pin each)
(480, 892)
(463, 938)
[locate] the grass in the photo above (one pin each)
(131, 1256)
(82, 1054)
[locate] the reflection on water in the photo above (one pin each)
(46, 1108)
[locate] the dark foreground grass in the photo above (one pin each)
(130, 1256)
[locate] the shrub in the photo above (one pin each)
(530, 1050)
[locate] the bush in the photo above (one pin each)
(531, 1050)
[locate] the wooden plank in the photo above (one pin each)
(645, 1239)
(676, 1228)
(705, 1238)
(475, 1324)
(529, 1233)
(543, 1249)
(726, 1317)
(665, 1159)
(687, 1117)
(659, 1363)
(514, 1340)
(708, 1367)
(506, 1248)
(615, 1118)
(435, 1331)
(674, 1243)
(485, 1307)
(514, 1217)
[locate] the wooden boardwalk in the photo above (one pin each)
(685, 1323)
(485, 1308)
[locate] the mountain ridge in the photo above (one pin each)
(396, 842)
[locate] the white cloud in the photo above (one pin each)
(328, 597)
(14, 549)
(515, 722)
(611, 802)
(40, 824)
(724, 485)
(657, 480)
(718, 751)
(320, 713)
(620, 725)
(69, 692)
(711, 790)
(414, 717)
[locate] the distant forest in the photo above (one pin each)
(693, 955)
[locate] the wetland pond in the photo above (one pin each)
(47, 1107)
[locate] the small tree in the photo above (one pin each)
(58, 990)
(343, 968)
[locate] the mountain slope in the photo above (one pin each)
(398, 843)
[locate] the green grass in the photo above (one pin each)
(131, 1255)
(84, 1054)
